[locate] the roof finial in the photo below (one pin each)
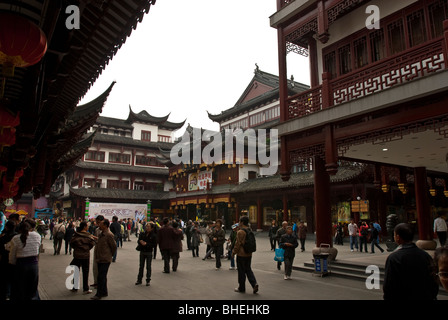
(257, 69)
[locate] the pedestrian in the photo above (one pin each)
(244, 259)
(231, 244)
(166, 240)
(339, 234)
(104, 251)
(409, 271)
(146, 242)
(301, 232)
(6, 269)
(96, 232)
(440, 228)
(115, 228)
(208, 233)
(58, 235)
(353, 234)
(82, 242)
(441, 264)
(24, 254)
(196, 239)
(217, 239)
(281, 231)
(374, 239)
(177, 248)
(363, 234)
(188, 233)
(51, 228)
(69, 232)
(289, 243)
(273, 234)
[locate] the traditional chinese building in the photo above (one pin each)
(121, 165)
(46, 68)
(378, 96)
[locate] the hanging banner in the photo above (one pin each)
(136, 211)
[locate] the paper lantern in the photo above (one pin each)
(22, 43)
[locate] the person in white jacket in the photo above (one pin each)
(440, 228)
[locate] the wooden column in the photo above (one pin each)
(322, 205)
(422, 204)
(285, 207)
(259, 215)
(314, 68)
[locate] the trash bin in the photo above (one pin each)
(321, 264)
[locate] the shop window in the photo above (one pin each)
(416, 28)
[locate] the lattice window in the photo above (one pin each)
(416, 28)
(377, 45)
(438, 12)
(360, 52)
(330, 64)
(396, 37)
(345, 59)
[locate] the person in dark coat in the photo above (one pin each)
(410, 271)
(175, 251)
(69, 232)
(166, 240)
(289, 243)
(82, 242)
(146, 243)
(218, 237)
(5, 267)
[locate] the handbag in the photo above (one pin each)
(279, 255)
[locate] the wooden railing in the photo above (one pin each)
(401, 68)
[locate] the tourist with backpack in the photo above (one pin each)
(374, 234)
(245, 245)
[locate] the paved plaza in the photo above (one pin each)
(197, 279)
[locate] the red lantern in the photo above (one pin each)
(22, 43)
(7, 119)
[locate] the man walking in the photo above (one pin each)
(218, 237)
(353, 233)
(409, 273)
(440, 229)
(115, 228)
(58, 236)
(166, 240)
(244, 259)
(104, 251)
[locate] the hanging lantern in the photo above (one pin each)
(385, 188)
(432, 192)
(22, 43)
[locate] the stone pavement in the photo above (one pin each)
(197, 279)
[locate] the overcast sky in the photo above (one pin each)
(187, 57)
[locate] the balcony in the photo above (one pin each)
(420, 61)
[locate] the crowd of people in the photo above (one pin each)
(21, 239)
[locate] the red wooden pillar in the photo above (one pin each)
(322, 205)
(314, 68)
(422, 203)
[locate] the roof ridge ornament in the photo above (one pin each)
(257, 69)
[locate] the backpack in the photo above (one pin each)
(364, 231)
(250, 244)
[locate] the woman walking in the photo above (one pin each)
(195, 239)
(24, 255)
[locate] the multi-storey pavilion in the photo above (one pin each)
(378, 95)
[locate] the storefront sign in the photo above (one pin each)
(121, 210)
(198, 181)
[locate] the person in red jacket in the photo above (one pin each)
(363, 234)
